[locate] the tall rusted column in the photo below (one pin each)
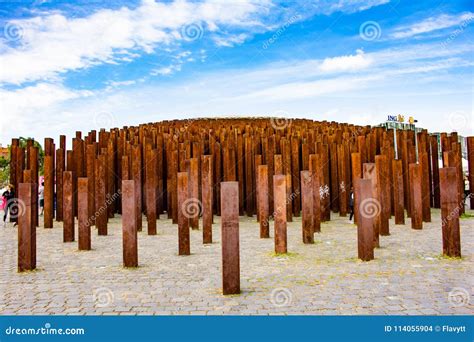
(60, 168)
(129, 224)
(262, 201)
(425, 186)
(150, 190)
(398, 192)
(193, 205)
(100, 199)
(207, 199)
(435, 170)
(356, 165)
(68, 207)
(183, 217)
(416, 196)
(370, 172)
(34, 157)
(26, 228)
(450, 212)
(48, 192)
(90, 171)
(366, 208)
(230, 238)
(83, 217)
(470, 163)
(307, 207)
(295, 172)
(384, 193)
(136, 173)
(279, 213)
(314, 167)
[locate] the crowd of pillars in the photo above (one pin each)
(232, 167)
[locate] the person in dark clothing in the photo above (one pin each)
(11, 206)
(351, 203)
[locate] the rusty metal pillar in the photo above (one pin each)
(435, 170)
(129, 224)
(26, 228)
(230, 238)
(372, 207)
(425, 186)
(193, 205)
(136, 172)
(83, 217)
(150, 190)
(279, 213)
(384, 193)
(364, 205)
(398, 192)
(60, 168)
(262, 201)
(183, 217)
(470, 163)
(307, 206)
(206, 198)
(416, 196)
(68, 207)
(100, 199)
(90, 172)
(356, 167)
(48, 192)
(450, 208)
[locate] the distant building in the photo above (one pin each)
(4, 152)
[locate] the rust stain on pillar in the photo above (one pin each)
(425, 186)
(450, 212)
(60, 168)
(26, 228)
(356, 167)
(100, 199)
(307, 207)
(183, 218)
(83, 218)
(279, 213)
(262, 201)
(314, 168)
(363, 195)
(416, 196)
(68, 207)
(206, 199)
(230, 238)
(129, 224)
(384, 193)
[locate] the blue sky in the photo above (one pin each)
(81, 65)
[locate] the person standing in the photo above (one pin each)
(351, 203)
(11, 207)
(41, 197)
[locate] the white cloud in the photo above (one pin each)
(440, 22)
(53, 43)
(355, 62)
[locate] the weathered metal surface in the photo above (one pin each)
(183, 217)
(68, 207)
(262, 201)
(129, 224)
(366, 209)
(83, 218)
(279, 213)
(26, 228)
(450, 209)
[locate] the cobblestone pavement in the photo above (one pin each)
(408, 276)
